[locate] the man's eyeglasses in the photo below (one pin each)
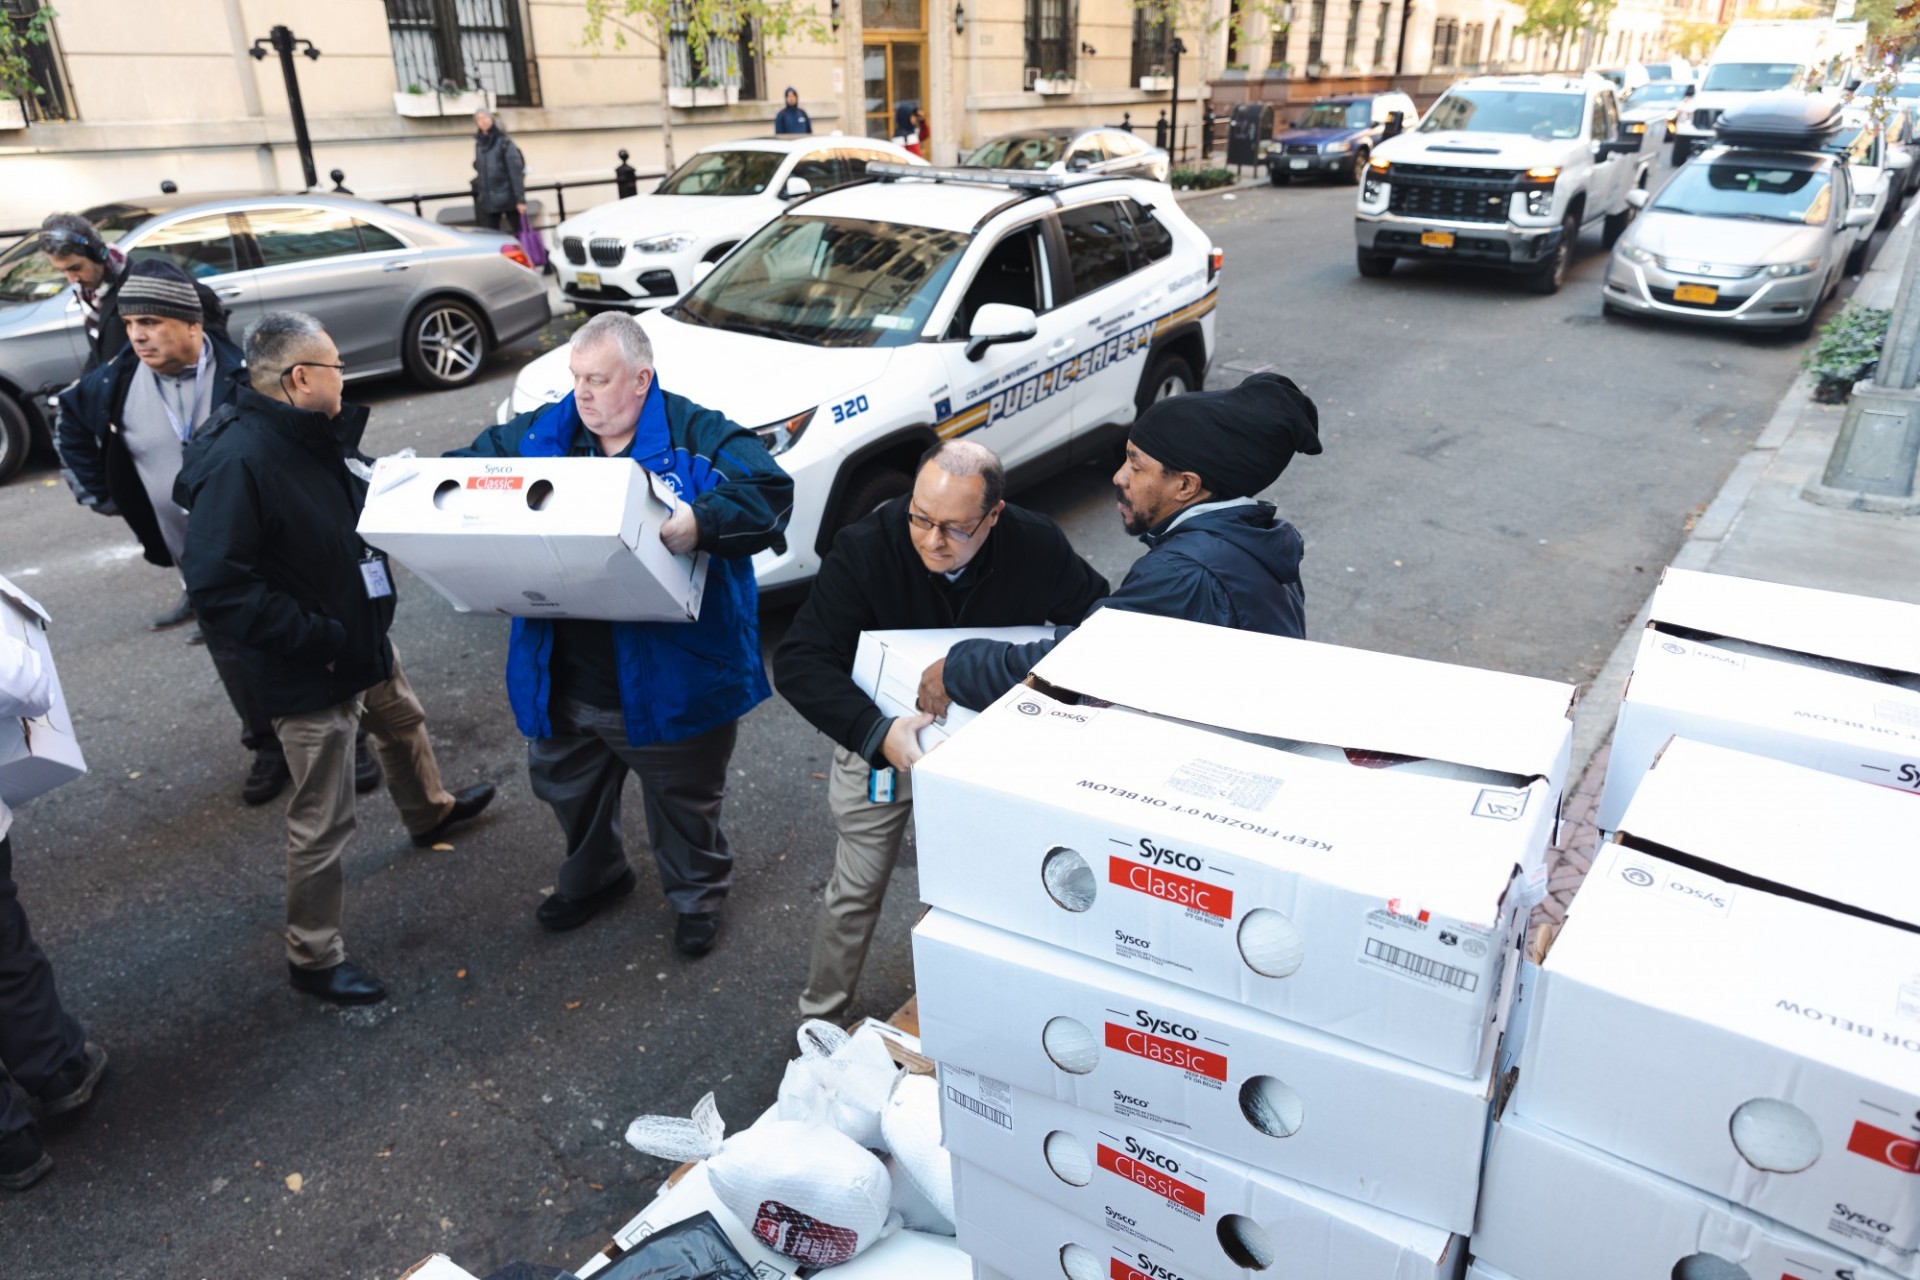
(316, 364)
(953, 531)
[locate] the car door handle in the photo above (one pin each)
(232, 292)
(1060, 347)
(396, 266)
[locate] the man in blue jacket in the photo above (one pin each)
(793, 117)
(1215, 552)
(598, 700)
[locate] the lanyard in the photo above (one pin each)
(184, 429)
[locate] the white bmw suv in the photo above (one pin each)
(1036, 313)
(642, 251)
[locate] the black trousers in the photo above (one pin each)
(37, 1036)
(507, 220)
(256, 726)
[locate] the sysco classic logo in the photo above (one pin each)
(1895, 1150)
(1157, 872)
(1151, 1176)
(1168, 1043)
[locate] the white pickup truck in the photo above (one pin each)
(1502, 173)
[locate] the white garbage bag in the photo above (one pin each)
(910, 1126)
(840, 1080)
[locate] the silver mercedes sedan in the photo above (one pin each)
(396, 292)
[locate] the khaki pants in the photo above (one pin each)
(320, 817)
(863, 858)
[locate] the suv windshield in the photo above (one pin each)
(1734, 189)
(1657, 91)
(1544, 115)
(1748, 77)
(1337, 115)
(831, 282)
(723, 173)
(25, 272)
(1029, 151)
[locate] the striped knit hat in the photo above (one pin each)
(155, 287)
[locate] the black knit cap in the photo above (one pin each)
(154, 287)
(1237, 441)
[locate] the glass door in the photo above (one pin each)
(893, 61)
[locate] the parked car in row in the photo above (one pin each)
(1882, 169)
(1337, 135)
(1102, 150)
(643, 251)
(1654, 110)
(397, 292)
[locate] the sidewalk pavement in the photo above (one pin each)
(1759, 526)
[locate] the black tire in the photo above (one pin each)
(1358, 169)
(1169, 375)
(1857, 256)
(1680, 150)
(1374, 266)
(1547, 279)
(16, 437)
(1615, 226)
(1804, 330)
(873, 489)
(1278, 177)
(1890, 214)
(445, 344)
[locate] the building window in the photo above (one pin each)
(1380, 36)
(1152, 43)
(720, 61)
(1471, 44)
(1316, 33)
(1446, 41)
(52, 102)
(1049, 38)
(1353, 32)
(475, 44)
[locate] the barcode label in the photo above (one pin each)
(1420, 966)
(993, 1115)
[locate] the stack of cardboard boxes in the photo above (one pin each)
(1721, 1069)
(1224, 928)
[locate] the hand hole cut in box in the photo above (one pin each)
(1271, 944)
(1072, 1047)
(443, 492)
(1068, 1158)
(1775, 1136)
(1077, 1262)
(1707, 1266)
(1272, 1106)
(537, 494)
(1068, 879)
(1246, 1242)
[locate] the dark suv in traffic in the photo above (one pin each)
(1336, 136)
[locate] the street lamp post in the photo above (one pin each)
(1173, 118)
(1876, 456)
(283, 42)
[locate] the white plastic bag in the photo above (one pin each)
(839, 1080)
(910, 1126)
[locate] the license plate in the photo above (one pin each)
(1296, 164)
(1437, 239)
(1706, 295)
(588, 279)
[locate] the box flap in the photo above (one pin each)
(1835, 842)
(437, 1266)
(1828, 624)
(21, 600)
(1310, 692)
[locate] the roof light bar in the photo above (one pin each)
(1018, 179)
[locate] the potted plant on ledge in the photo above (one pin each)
(17, 85)
(444, 99)
(705, 91)
(1156, 81)
(1053, 85)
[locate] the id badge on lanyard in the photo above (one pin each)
(374, 575)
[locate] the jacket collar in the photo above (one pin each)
(1172, 524)
(559, 428)
(308, 426)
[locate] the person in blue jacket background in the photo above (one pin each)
(598, 700)
(793, 117)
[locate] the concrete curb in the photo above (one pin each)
(1184, 197)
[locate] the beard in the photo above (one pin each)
(1134, 522)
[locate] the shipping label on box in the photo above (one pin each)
(1557, 1209)
(1760, 1048)
(1377, 903)
(37, 753)
(888, 666)
(535, 537)
(1387, 1132)
(1204, 1211)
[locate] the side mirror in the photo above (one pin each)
(795, 188)
(1856, 219)
(1396, 125)
(1638, 198)
(702, 270)
(998, 322)
(1079, 163)
(1690, 90)
(1900, 161)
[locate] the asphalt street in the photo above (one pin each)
(1504, 476)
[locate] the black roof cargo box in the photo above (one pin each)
(1791, 121)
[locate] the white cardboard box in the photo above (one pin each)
(1376, 903)
(1347, 1119)
(535, 537)
(1702, 672)
(1481, 1271)
(1754, 1046)
(40, 753)
(437, 1266)
(1557, 1209)
(888, 666)
(1165, 1195)
(1007, 1229)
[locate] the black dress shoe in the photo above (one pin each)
(267, 779)
(23, 1161)
(344, 983)
(560, 913)
(694, 932)
(178, 616)
(72, 1086)
(366, 766)
(466, 804)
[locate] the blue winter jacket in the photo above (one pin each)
(677, 679)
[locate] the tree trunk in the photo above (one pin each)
(661, 38)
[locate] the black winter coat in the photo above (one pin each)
(873, 580)
(272, 557)
(95, 453)
(1236, 566)
(499, 172)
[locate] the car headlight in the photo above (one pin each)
(671, 242)
(782, 435)
(1781, 270)
(1634, 253)
(1334, 147)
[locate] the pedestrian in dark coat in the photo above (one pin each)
(952, 553)
(793, 117)
(499, 176)
(1215, 553)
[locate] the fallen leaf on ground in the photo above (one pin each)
(443, 847)
(295, 1182)
(572, 1005)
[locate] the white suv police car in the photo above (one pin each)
(1034, 312)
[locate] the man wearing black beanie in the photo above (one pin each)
(1215, 552)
